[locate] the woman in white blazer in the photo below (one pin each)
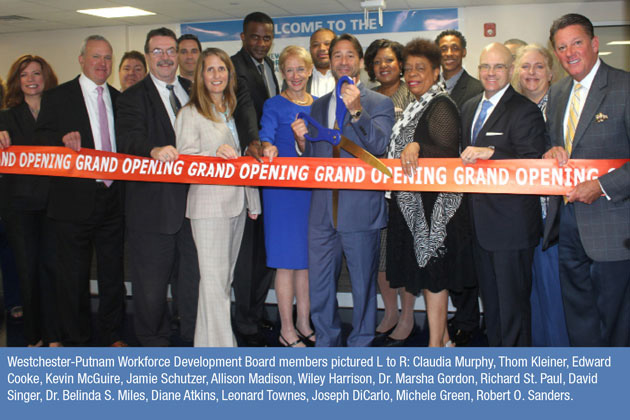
(217, 212)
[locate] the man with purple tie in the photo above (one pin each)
(87, 214)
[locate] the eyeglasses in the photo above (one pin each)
(158, 52)
(497, 67)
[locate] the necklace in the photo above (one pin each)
(298, 102)
(34, 111)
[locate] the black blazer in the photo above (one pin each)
(63, 110)
(22, 192)
(465, 88)
(142, 123)
(250, 80)
(516, 129)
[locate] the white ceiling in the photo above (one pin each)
(46, 15)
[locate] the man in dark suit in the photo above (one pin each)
(252, 278)
(589, 118)
(87, 213)
(461, 87)
(501, 124)
(159, 237)
(346, 222)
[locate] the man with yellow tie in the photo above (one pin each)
(589, 118)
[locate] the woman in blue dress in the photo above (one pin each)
(532, 78)
(285, 209)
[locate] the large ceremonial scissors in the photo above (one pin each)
(334, 136)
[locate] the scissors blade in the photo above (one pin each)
(367, 157)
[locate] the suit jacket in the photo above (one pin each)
(358, 210)
(197, 135)
(22, 192)
(143, 123)
(250, 80)
(604, 225)
(507, 221)
(465, 88)
(63, 110)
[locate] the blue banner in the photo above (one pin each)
(354, 23)
(310, 383)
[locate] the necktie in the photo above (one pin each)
(481, 119)
(574, 116)
(261, 69)
(172, 98)
(103, 123)
(335, 193)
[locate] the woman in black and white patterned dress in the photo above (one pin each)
(419, 240)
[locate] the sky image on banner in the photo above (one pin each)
(355, 23)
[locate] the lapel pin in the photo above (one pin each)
(601, 117)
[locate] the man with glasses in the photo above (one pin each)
(158, 234)
(502, 124)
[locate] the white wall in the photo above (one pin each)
(528, 22)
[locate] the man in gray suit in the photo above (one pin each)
(346, 222)
(589, 118)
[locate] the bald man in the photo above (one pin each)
(501, 124)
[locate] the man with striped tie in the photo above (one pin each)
(501, 124)
(589, 118)
(159, 237)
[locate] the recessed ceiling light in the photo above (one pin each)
(116, 12)
(605, 52)
(619, 43)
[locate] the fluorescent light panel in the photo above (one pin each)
(619, 43)
(116, 12)
(605, 52)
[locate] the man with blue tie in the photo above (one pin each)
(589, 118)
(346, 222)
(501, 124)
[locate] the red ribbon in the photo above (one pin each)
(511, 176)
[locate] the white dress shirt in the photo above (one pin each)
(494, 101)
(90, 96)
(321, 84)
(180, 92)
(586, 83)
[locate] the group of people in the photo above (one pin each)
(550, 271)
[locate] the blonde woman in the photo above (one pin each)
(217, 212)
(286, 210)
(532, 78)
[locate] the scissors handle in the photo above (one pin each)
(340, 112)
(323, 134)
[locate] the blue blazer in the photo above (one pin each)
(358, 210)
